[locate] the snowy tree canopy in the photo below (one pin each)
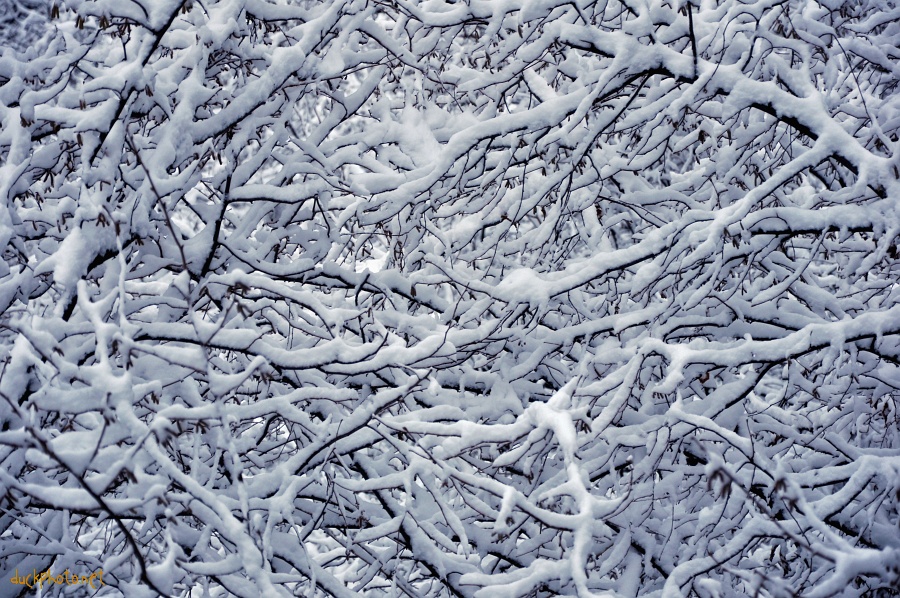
(471, 299)
(22, 22)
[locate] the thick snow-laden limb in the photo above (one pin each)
(427, 298)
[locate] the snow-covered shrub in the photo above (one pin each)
(427, 298)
